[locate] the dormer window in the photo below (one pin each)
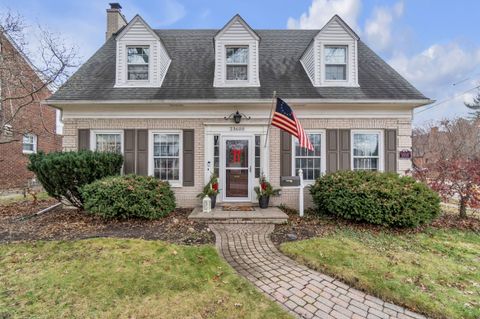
(236, 55)
(331, 60)
(137, 63)
(237, 63)
(335, 63)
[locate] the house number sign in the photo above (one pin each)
(237, 128)
(405, 154)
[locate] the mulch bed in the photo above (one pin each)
(310, 226)
(18, 224)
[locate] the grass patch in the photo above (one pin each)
(16, 198)
(116, 278)
(436, 272)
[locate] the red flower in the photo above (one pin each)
(263, 185)
(215, 186)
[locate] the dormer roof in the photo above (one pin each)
(345, 26)
(237, 19)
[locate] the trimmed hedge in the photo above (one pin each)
(129, 196)
(377, 198)
(63, 173)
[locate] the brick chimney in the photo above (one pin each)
(115, 19)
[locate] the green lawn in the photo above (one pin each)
(15, 198)
(117, 278)
(436, 272)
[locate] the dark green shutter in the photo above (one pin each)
(83, 139)
(390, 150)
(344, 150)
(142, 152)
(332, 150)
(285, 155)
(129, 151)
(188, 157)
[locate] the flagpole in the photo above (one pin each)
(270, 119)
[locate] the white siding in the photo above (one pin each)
(236, 33)
(333, 33)
(138, 33)
(308, 62)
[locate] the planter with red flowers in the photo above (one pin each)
(264, 191)
(211, 190)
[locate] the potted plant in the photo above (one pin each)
(264, 191)
(211, 190)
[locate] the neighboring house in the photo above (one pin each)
(166, 99)
(29, 126)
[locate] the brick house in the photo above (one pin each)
(166, 99)
(32, 129)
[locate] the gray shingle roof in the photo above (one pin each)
(190, 75)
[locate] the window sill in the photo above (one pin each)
(29, 152)
(175, 184)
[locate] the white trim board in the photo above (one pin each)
(413, 102)
(178, 183)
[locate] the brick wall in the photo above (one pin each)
(186, 195)
(33, 118)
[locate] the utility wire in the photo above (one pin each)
(446, 100)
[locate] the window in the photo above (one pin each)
(166, 156)
(257, 156)
(367, 149)
(216, 155)
(311, 162)
(29, 143)
(336, 63)
(237, 63)
(137, 63)
(108, 142)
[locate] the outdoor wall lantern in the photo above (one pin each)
(237, 117)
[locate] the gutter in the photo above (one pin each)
(416, 102)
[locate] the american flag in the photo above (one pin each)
(285, 119)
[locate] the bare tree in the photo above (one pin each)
(24, 81)
(453, 166)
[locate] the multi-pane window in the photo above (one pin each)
(166, 156)
(137, 63)
(29, 143)
(237, 63)
(257, 156)
(216, 155)
(108, 142)
(336, 63)
(309, 161)
(366, 151)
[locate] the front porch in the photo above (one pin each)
(223, 214)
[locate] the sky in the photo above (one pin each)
(434, 44)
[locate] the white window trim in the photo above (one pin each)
(228, 46)
(347, 58)
(381, 166)
(147, 81)
(35, 141)
(93, 140)
(323, 154)
(178, 183)
(352, 65)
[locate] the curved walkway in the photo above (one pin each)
(304, 292)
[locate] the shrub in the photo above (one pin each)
(63, 173)
(129, 196)
(378, 198)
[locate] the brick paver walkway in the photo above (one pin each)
(304, 292)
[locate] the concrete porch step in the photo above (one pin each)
(270, 215)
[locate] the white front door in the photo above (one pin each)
(236, 168)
